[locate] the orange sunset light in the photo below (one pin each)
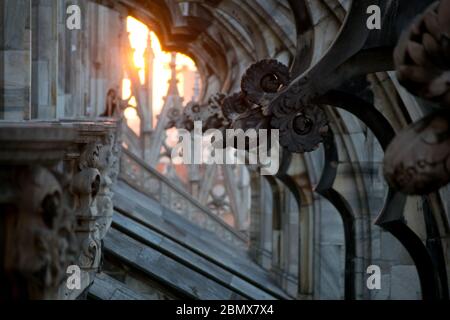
(142, 40)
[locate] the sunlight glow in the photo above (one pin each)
(162, 74)
(138, 34)
(126, 88)
(133, 121)
(141, 41)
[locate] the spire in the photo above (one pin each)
(173, 87)
(150, 56)
(150, 53)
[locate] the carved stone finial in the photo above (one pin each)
(173, 82)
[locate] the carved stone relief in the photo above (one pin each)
(39, 240)
(422, 56)
(418, 159)
(55, 209)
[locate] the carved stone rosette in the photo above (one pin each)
(56, 202)
(263, 80)
(174, 116)
(303, 129)
(302, 124)
(210, 114)
(418, 159)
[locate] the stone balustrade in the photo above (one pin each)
(148, 180)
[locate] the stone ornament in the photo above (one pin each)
(58, 206)
(418, 159)
(422, 56)
(252, 119)
(85, 186)
(263, 80)
(193, 112)
(302, 126)
(302, 123)
(234, 105)
(108, 167)
(89, 157)
(99, 168)
(302, 130)
(40, 228)
(210, 114)
(213, 114)
(173, 115)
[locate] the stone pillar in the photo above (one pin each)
(255, 215)
(15, 64)
(74, 67)
(44, 59)
(260, 221)
(289, 242)
(150, 56)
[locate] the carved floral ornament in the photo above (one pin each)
(418, 159)
(302, 127)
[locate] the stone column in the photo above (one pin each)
(255, 215)
(15, 65)
(44, 59)
(150, 56)
(289, 242)
(261, 221)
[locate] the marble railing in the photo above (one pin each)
(152, 183)
(55, 205)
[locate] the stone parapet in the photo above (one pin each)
(56, 204)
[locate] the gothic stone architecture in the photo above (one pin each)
(359, 91)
